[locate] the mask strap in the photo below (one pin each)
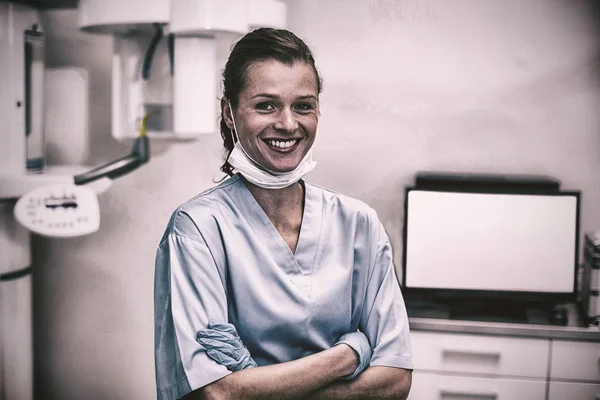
(237, 139)
(234, 130)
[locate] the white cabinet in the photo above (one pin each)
(494, 355)
(453, 366)
(573, 390)
(462, 366)
(435, 386)
(575, 360)
(574, 368)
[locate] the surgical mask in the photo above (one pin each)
(260, 176)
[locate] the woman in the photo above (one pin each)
(268, 270)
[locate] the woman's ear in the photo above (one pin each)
(226, 113)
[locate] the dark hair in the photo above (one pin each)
(259, 45)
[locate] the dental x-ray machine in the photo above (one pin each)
(164, 86)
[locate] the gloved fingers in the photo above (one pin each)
(217, 335)
(217, 339)
(247, 361)
(229, 351)
(209, 343)
(244, 360)
(223, 344)
(222, 358)
(251, 362)
(223, 327)
(230, 346)
(231, 363)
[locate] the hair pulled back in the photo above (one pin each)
(262, 44)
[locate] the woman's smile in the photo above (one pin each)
(282, 145)
(277, 114)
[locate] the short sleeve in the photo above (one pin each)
(188, 292)
(384, 319)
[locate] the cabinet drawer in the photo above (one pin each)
(481, 354)
(575, 360)
(573, 390)
(433, 386)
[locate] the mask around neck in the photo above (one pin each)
(260, 175)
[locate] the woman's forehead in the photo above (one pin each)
(274, 77)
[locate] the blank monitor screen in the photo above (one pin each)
(491, 242)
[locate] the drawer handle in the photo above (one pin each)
(472, 353)
(456, 395)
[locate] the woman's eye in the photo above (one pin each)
(304, 107)
(265, 106)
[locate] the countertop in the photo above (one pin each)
(573, 330)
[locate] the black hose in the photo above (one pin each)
(14, 275)
(149, 56)
(171, 48)
(140, 154)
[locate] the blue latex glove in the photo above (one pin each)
(223, 344)
(360, 344)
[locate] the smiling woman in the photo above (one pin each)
(277, 114)
(278, 123)
(267, 286)
(256, 75)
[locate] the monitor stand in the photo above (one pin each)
(487, 309)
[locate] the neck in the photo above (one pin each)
(284, 207)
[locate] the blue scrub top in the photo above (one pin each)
(222, 259)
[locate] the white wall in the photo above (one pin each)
(463, 85)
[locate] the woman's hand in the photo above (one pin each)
(360, 344)
(223, 344)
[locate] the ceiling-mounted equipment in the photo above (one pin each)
(165, 58)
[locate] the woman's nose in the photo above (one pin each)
(286, 121)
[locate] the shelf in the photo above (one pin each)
(14, 186)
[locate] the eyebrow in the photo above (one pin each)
(272, 96)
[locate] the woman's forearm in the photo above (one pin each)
(291, 380)
(374, 383)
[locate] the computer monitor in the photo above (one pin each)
(516, 245)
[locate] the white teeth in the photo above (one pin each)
(282, 144)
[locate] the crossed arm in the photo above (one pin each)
(316, 376)
(312, 377)
(375, 382)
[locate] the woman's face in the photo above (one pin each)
(277, 114)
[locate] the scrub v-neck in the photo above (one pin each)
(302, 261)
